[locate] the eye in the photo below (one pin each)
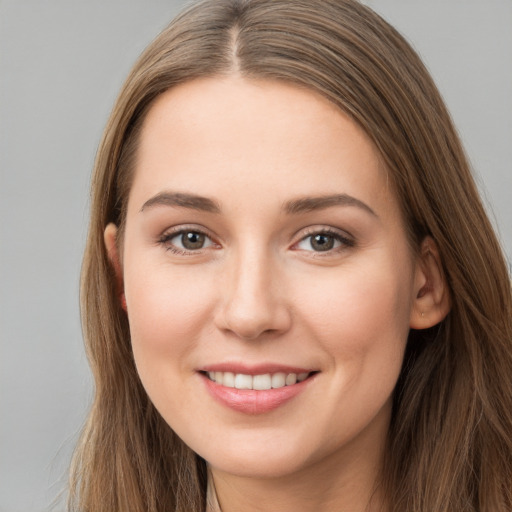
(324, 241)
(186, 241)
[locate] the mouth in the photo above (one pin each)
(255, 390)
(258, 382)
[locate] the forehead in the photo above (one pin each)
(276, 140)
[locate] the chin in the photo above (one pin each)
(259, 458)
(257, 467)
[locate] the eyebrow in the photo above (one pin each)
(308, 204)
(294, 206)
(183, 200)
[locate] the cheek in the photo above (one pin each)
(168, 309)
(357, 303)
(168, 312)
(361, 320)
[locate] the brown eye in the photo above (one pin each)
(191, 240)
(322, 242)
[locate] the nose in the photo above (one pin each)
(253, 300)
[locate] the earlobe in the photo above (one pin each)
(432, 298)
(110, 240)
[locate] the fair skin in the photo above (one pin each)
(297, 262)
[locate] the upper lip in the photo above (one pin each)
(256, 369)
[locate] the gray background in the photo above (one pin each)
(61, 65)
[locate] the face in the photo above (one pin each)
(268, 277)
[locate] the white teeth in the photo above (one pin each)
(228, 380)
(278, 380)
(261, 382)
(243, 381)
(291, 379)
(257, 382)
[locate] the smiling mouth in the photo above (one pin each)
(260, 382)
(253, 390)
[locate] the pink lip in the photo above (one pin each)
(259, 369)
(249, 401)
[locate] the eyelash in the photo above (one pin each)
(345, 241)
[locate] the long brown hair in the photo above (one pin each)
(450, 440)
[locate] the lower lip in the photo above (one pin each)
(250, 401)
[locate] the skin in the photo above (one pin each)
(259, 292)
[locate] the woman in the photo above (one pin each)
(292, 296)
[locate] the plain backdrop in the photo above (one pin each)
(61, 65)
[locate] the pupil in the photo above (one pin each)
(192, 240)
(322, 242)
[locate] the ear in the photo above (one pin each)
(110, 240)
(432, 298)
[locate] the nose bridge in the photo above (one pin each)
(252, 302)
(252, 279)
